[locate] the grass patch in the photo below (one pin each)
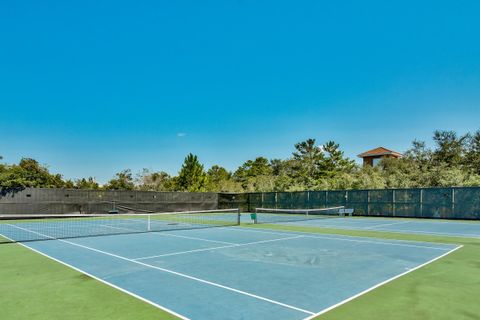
(35, 287)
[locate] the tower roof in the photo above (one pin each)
(380, 151)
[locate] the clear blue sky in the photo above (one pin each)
(93, 87)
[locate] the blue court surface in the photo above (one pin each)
(239, 272)
(451, 228)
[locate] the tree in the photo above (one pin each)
(155, 181)
(420, 154)
(29, 173)
(220, 180)
(340, 181)
(450, 148)
(450, 177)
(369, 178)
(69, 184)
(472, 156)
(39, 176)
(228, 186)
(307, 159)
(454, 160)
(278, 166)
(217, 173)
(123, 181)
(284, 173)
(334, 161)
(261, 183)
(252, 169)
(88, 183)
(402, 173)
(192, 176)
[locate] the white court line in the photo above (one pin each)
(175, 273)
(99, 279)
(179, 236)
(403, 231)
(421, 220)
(448, 234)
(170, 235)
(408, 231)
(192, 238)
(380, 284)
(386, 224)
(310, 235)
(217, 248)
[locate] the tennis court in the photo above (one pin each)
(451, 228)
(227, 272)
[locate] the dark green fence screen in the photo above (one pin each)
(59, 201)
(442, 203)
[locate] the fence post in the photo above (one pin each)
(308, 199)
(276, 200)
(453, 202)
(393, 203)
(421, 202)
(368, 202)
(346, 198)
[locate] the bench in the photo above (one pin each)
(344, 212)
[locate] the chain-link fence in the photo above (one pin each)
(447, 203)
(234, 200)
(55, 201)
(444, 203)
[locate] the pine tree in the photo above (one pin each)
(192, 176)
(307, 160)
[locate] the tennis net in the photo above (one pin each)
(271, 215)
(21, 228)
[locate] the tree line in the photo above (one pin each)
(453, 161)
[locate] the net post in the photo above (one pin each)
(149, 223)
(238, 216)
